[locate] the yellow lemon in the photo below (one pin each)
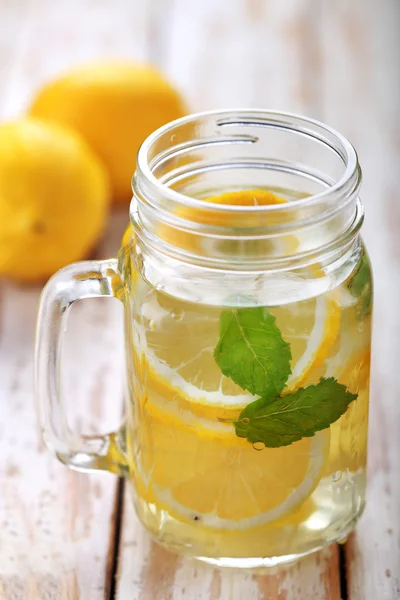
(115, 106)
(54, 199)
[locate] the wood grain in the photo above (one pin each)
(361, 66)
(41, 38)
(243, 54)
(57, 527)
(148, 572)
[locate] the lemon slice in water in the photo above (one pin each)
(179, 338)
(218, 479)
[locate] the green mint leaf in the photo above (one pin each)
(360, 287)
(251, 351)
(280, 421)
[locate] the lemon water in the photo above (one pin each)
(205, 491)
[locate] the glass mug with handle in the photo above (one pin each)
(247, 299)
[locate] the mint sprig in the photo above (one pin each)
(282, 420)
(251, 351)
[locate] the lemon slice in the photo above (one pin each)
(179, 338)
(311, 341)
(350, 433)
(245, 198)
(349, 362)
(190, 242)
(217, 479)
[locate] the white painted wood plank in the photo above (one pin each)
(361, 57)
(245, 53)
(58, 527)
(40, 38)
(148, 572)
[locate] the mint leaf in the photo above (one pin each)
(280, 421)
(251, 351)
(361, 287)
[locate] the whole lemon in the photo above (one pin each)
(115, 106)
(54, 198)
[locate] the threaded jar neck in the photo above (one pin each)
(314, 168)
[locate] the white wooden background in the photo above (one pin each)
(67, 536)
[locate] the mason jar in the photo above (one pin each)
(247, 299)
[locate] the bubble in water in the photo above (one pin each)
(360, 328)
(258, 446)
(337, 476)
(245, 421)
(177, 315)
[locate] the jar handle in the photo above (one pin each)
(89, 279)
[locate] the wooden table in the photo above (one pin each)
(68, 536)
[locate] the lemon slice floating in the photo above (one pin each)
(219, 480)
(179, 339)
(181, 238)
(311, 329)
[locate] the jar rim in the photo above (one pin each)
(347, 184)
(185, 227)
